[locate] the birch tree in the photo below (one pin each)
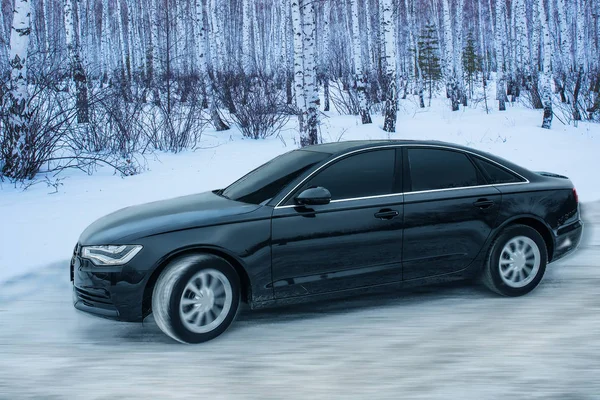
(359, 76)
(310, 74)
(77, 70)
(390, 110)
(17, 141)
(547, 66)
(247, 61)
(449, 57)
(500, 55)
(325, 61)
(202, 64)
(299, 92)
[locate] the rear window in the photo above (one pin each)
(496, 174)
(434, 169)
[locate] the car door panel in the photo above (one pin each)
(354, 241)
(342, 245)
(445, 230)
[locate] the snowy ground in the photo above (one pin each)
(38, 228)
(453, 342)
(456, 342)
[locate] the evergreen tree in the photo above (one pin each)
(471, 62)
(429, 58)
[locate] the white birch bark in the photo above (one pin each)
(546, 93)
(410, 7)
(259, 56)
(458, 51)
(219, 38)
(325, 56)
(122, 43)
(299, 92)
(247, 61)
(565, 38)
(523, 54)
(359, 77)
(581, 39)
(201, 60)
(77, 71)
(154, 42)
(500, 55)
(389, 34)
(17, 128)
(132, 38)
(310, 74)
(449, 57)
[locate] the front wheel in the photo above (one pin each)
(196, 298)
(516, 262)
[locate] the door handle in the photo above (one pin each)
(386, 214)
(483, 203)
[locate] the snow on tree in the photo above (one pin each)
(17, 142)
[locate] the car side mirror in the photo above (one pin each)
(314, 197)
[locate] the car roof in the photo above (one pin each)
(339, 148)
(350, 145)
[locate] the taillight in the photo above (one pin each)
(576, 196)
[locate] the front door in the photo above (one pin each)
(354, 241)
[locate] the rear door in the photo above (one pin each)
(354, 241)
(449, 211)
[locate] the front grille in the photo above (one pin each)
(91, 296)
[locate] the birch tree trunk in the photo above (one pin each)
(410, 6)
(390, 110)
(458, 51)
(122, 43)
(450, 58)
(326, 50)
(299, 92)
(547, 66)
(310, 75)
(247, 62)
(17, 135)
(500, 56)
(580, 65)
(523, 55)
(154, 43)
(217, 122)
(77, 71)
(359, 77)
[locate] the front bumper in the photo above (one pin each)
(108, 292)
(567, 240)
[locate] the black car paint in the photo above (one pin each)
(284, 254)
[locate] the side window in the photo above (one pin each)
(365, 174)
(496, 174)
(432, 169)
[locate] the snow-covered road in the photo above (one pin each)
(456, 342)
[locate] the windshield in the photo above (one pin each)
(267, 180)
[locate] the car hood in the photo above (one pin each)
(163, 216)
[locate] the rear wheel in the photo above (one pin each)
(196, 298)
(516, 262)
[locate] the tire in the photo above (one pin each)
(521, 271)
(196, 298)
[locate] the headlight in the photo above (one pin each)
(110, 255)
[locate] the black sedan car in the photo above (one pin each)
(325, 221)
